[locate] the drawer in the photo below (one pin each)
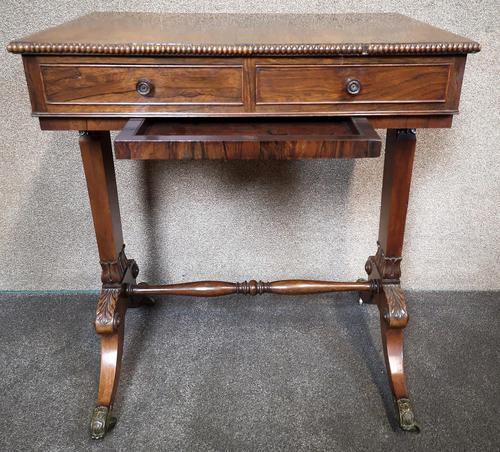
(289, 86)
(352, 83)
(247, 139)
(135, 84)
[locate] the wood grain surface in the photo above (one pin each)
(243, 34)
(247, 139)
(107, 86)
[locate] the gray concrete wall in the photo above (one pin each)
(185, 221)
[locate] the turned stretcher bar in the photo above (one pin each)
(220, 288)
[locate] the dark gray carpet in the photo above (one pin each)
(238, 374)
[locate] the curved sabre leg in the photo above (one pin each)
(393, 319)
(110, 324)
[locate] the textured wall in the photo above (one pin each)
(233, 221)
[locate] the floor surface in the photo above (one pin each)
(251, 374)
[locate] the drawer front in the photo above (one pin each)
(117, 85)
(290, 86)
(370, 83)
(246, 139)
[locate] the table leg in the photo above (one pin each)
(117, 271)
(385, 265)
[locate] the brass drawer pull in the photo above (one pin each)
(353, 86)
(144, 87)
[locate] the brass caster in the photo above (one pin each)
(101, 422)
(406, 416)
(363, 297)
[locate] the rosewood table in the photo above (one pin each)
(244, 87)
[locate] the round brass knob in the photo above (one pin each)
(353, 86)
(144, 87)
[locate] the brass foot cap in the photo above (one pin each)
(406, 416)
(101, 422)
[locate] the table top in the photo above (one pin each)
(244, 35)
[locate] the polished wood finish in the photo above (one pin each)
(385, 266)
(247, 139)
(377, 122)
(327, 83)
(399, 154)
(243, 34)
(97, 158)
(220, 288)
(115, 84)
(251, 87)
(111, 350)
(392, 340)
(107, 86)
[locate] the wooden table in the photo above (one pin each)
(244, 87)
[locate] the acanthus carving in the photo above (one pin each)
(107, 318)
(113, 271)
(245, 50)
(389, 268)
(393, 306)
